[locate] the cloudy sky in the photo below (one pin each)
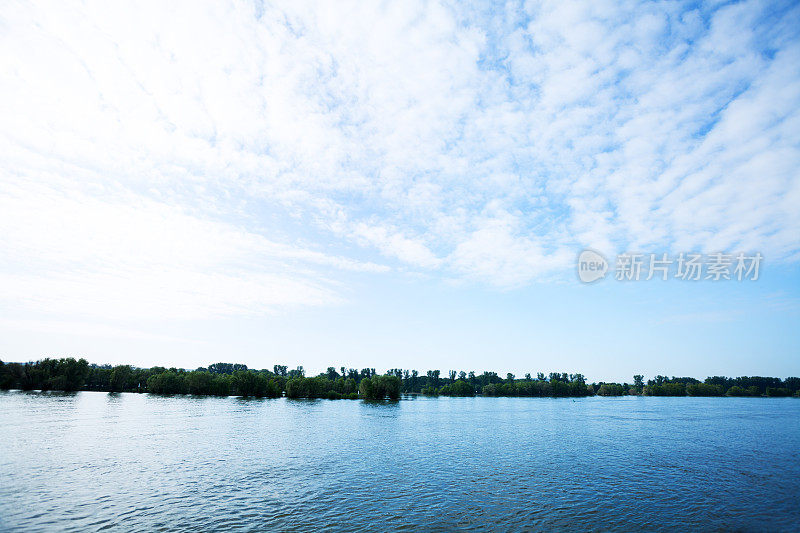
(398, 184)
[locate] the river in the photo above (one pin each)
(97, 461)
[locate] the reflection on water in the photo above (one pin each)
(97, 461)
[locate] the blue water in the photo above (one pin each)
(127, 462)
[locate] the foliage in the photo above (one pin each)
(204, 383)
(251, 383)
(666, 389)
(224, 368)
(119, 378)
(611, 389)
(638, 383)
(380, 387)
(556, 386)
(778, 392)
(222, 379)
(704, 389)
(66, 374)
(168, 382)
(458, 388)
(736, 390)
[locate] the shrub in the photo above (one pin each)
(778, 392)
(168, 382)
(380, 387)
(704, 389)
(611, 389)
(251, 383)
(737, 391)
(457, 388)
(666, 389)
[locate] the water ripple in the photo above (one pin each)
(99, 462)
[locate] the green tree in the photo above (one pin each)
(168, 382)
(199, 382)
(120, 375)
(704, 389)
(249, 383)
(68, 374)
(458, 388)
(611, 389)
(380, 387)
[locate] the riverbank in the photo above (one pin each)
(228, 379)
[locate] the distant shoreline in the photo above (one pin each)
(231, 379)
(403, 396)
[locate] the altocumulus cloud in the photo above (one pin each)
(195, 159)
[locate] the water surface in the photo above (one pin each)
(98, 461)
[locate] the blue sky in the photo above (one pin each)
(398, 184)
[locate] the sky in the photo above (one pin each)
(399, 184)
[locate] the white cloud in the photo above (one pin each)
(498, 252)
(193, 159)
(126, 257)
(394, 244)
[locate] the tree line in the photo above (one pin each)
(219, 379)
(225, 379)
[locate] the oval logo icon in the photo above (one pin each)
(591, 266)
